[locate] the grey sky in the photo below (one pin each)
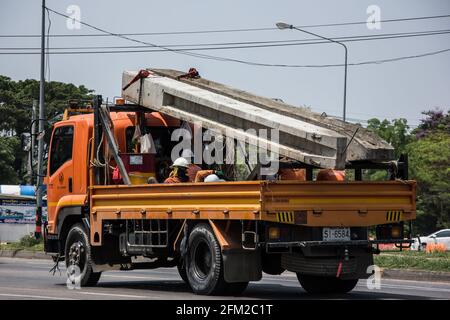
(391, 90)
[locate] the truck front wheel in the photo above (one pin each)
(321, 284)
(78, 257)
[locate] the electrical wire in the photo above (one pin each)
(260, 64)
(258, 44)
(224, 59)
(228, 30)
(197, 55)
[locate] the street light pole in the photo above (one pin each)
(282, 26)
(39, 190)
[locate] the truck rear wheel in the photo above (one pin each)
(181, 266)
(78, 255)
(321, 284)
(204, 262)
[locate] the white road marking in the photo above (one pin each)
(150, 277)
(33, 296)
(116, 295)
(396, 286)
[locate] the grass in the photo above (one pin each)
(419, 260)
(28, 243)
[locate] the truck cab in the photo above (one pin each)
(69, 159)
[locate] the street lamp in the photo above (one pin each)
(282, 26)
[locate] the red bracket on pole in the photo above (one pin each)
(141, 75)
(191, 74)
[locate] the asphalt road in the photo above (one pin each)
(30, 279)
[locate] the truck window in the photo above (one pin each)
(61, 149)
(161, 137)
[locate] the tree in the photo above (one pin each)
(429, 155)
(16, 99)
(395, 132)
(9, 146)
(429, 159)
(436, 121)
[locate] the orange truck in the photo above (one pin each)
(220, 235)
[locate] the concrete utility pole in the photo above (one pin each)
(40, 191)
(282, 26)
(33, 140)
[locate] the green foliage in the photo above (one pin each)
(436, 121)
(414, 260)
(29, 241)
(428, 148)
(16, 99)
(9, 147)
(395, 132)
(429, 159)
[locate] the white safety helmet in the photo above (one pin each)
(180, 162)
(213, 178)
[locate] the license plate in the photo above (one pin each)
(336, 234)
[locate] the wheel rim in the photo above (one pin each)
(77, 254)
(202, 260)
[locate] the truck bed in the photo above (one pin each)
(318, 203)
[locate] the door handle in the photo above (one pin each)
(70, 184)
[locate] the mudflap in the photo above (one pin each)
(242, 265)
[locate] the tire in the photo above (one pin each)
(204, 262)
(77, 253)
(318, 284)
(182, 271)
(271, 264)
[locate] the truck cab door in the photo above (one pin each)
(60, 169)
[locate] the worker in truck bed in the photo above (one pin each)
(203, 174)
(179, 171)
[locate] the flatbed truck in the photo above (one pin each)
(219, 235)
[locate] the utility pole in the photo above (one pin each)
(33, 140)
(40, 191)
(282, 26)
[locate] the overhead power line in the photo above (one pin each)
(369, 62)
(259, 44)
(183, 52)
(225, 30)
(210, 57)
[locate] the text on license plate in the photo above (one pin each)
(336, 234)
